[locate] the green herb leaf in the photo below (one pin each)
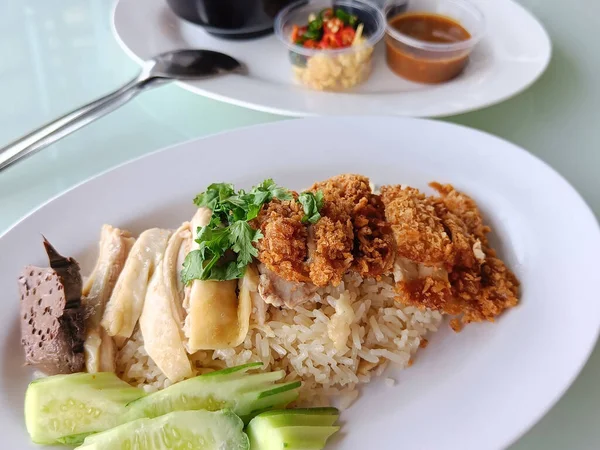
(229, 271)
(225, 245)
(315, 25)
(253, 211)
(267, 191)
(312, 204)
(241, 238)
(213, 194)
(193, 267)
(314, 35)
(343, 16)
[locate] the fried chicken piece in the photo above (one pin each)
(424, 249)
(465, 208)
(483, 295)
(334, 233)
(320, 254)
(419, 232)
(422, 286)
(346, 190)
(332, 256)
(373, 247)
(500, 290)
(464, 243)
(444, 260)
(351, 234)
(284, 247)
(484, 288)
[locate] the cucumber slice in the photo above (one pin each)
(66, 408)
(277, 397)
(292, 429)
(245, 394)
(190, 430)
(316, 417)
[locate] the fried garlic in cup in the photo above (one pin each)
(330, 48)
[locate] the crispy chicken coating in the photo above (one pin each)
(444, 259)
(436, 247)
(424, 249)
(464, 207)
(373, 246)
(419, 232)
(332, 256)
(284, 247)
(461, 252)
(352, 234)
(482, 291)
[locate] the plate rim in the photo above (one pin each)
(290, 112)
(583, 205)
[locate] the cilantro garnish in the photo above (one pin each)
(312, 204)
(226, 243)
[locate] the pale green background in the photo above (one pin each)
(57, 54)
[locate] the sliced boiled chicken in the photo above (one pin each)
(216, 317)
(162, 316)
(127, 301)
(115, 245)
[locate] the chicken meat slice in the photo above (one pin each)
(216, 317)
(161, 321)
(373, 246)
(127, 300)
(444, 260)
(278, 292)
(424, 249)
(115, 245)
(284, 248)
(421, 285)
(482, 286)
(465, 208)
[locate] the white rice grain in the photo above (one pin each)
(297, 341)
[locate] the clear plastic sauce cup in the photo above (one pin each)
(448, 31)
(331, 69)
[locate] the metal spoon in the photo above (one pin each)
(175, 65)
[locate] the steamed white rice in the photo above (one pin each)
(334, 344)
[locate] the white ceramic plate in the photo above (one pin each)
(476, 390)
(512, 55)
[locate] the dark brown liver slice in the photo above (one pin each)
(52, 318)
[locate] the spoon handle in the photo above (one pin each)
(65, 125)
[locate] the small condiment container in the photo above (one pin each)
(331, 69)
(429, 41)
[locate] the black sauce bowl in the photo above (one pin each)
(230, 19)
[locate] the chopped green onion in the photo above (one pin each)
(343, 16)
(314, 35)
(315, 25)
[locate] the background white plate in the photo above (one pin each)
(512, 55)
(476, 390)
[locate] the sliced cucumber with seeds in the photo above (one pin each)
(66, 408)
(189, 430)
(245, 394)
